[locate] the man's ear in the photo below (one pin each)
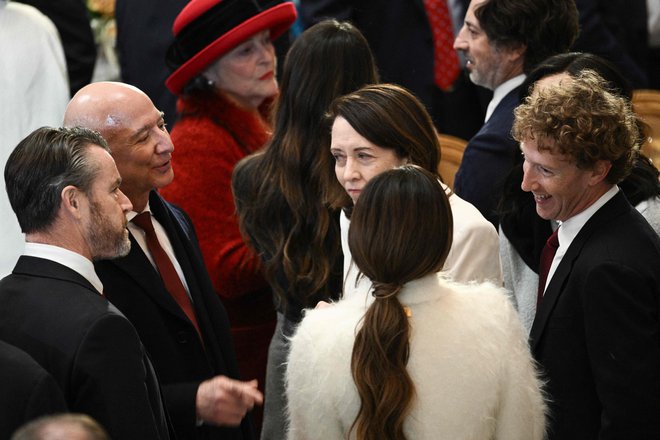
(517, 52)
(72, 200)
(600, 171)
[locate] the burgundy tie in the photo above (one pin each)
(445, 60)
(167, 271)
(547, 255)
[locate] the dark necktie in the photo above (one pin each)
(445, 60)
(165, 267)
(547, 255)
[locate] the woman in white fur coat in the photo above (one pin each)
(430, 359)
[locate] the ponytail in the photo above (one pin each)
(378, 367)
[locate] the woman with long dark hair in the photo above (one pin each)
(429, 359)
(285, 194)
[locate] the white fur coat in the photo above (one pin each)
(469, 360)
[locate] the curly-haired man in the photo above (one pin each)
(596, 330)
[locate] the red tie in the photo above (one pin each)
(445, 61)
(167, 271)
(547, 255)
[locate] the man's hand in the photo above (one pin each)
(224, 401)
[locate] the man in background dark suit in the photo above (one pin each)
(501, 40)
(596, 333)
(144, 32)
(63, 186)
(617, 30)
(193, 355)
(28, 391)
(401, 39)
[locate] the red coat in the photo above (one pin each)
(208, 143)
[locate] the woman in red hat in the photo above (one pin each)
(225, 77)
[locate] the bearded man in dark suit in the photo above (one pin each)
(187, 338)
(63, 186)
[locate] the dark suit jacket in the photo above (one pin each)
(488, 159)
(616, 30)
(28, 391)
(144, 32)
(597, 330)
(402, 43)
(55, 315)
(180, 359)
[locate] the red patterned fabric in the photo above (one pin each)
(445, 63)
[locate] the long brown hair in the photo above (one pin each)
(285, 212)
(399, 212)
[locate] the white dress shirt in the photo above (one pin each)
(65, 257)
(501, 91)
(570, 228)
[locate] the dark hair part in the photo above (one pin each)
(544, 27)
(391, 117)
(399, 212)
(286, 213)
(586, 122)
(39, 429)
(42, 165)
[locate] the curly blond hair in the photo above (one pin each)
(586, 122)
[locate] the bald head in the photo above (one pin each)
(135, 131)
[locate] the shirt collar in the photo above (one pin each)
(571, 227)
(501, 91)
(131, 214)
(65, 257)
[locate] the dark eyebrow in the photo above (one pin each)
(472, 26)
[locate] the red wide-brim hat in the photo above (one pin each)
(205, 30)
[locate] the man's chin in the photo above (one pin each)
(121, 250)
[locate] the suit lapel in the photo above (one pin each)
(44, 268)
(555, 288)
(181, 244)
(558, 281)
(179, 241)
(138, 267)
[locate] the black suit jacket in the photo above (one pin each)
(180, 359)
(488, 158)
(55, 315)
(616, 30)
(597, 330)
(28, 391)
(144, 32)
